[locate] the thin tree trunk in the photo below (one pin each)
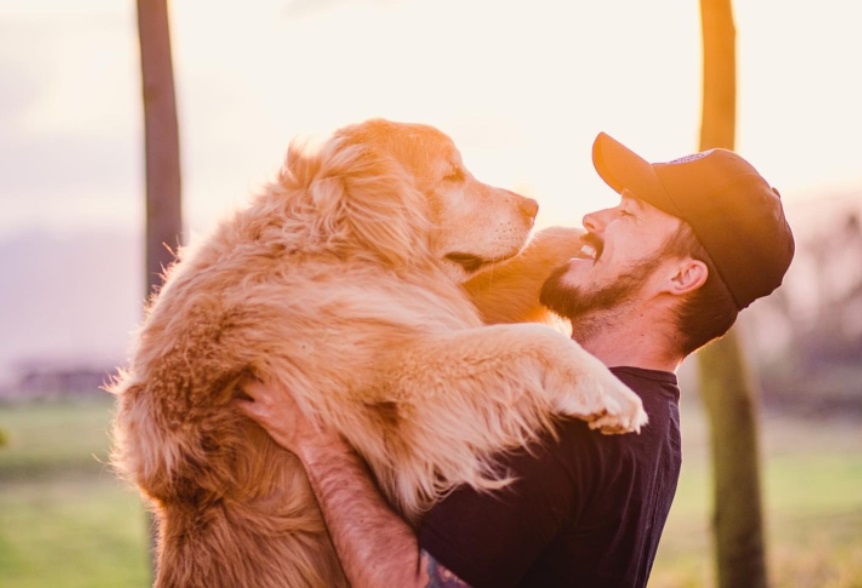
(161, 136)
(725, 385)
(162, 154)
(718, 117)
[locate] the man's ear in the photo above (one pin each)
(689, 275)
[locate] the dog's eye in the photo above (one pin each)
(456, 175)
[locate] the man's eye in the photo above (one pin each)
(456, 175)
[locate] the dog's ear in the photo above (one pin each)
(386, 212)
(359, 199)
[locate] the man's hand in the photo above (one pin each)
(375, 546)
(275, 410)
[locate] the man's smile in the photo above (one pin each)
(591, 248)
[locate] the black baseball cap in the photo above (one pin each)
(735, 214)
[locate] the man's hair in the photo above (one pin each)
(709, 311)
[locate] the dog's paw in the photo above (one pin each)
(605, 403)
(629, 421)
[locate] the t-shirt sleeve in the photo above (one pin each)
(493, 538)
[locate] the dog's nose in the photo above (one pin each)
(528, 207)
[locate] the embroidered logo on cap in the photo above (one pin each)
(692, 157)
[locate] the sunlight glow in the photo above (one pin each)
(522, 88)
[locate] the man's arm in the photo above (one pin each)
(376, 547)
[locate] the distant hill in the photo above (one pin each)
(69, 299)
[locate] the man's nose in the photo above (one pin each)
(593, 222)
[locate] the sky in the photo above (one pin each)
(522, 88)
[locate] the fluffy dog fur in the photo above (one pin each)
(340, 282)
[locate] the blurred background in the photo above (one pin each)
(522, 88)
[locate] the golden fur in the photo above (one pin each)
(508, 292)
(340, 282)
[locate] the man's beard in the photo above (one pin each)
(590, 311)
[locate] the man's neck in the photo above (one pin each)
(613, 355)
(635, 342)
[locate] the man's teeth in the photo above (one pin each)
(588, 251)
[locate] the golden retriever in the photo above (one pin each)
(342, 283)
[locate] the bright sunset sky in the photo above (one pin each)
(522, 88)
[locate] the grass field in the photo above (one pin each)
(65, 521)
(812, 483)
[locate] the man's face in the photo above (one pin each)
(622, 249)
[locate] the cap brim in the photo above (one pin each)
(623, 169)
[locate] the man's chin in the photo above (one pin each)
(574, 303)
(558, 296)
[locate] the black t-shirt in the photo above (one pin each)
(587, 510)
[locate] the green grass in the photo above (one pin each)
(65, 521)
(812, 484)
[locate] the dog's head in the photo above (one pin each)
(401, 191)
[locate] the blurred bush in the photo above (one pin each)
(807, 336)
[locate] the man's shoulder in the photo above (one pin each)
(637, 378)
(659, 392)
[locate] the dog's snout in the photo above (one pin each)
(528, 207)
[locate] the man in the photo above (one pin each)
(692, 242)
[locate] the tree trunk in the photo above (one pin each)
(161, 137)
(726, 388)
(737, 519)
(162, 155)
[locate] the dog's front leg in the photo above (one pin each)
(454, 400)
(521, 367)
